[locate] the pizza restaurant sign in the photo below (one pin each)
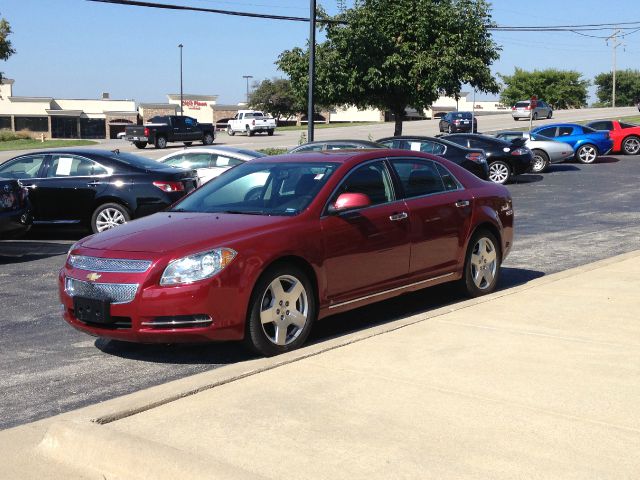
(193, 104)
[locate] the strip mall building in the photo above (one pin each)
(87, 118)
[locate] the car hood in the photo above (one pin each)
(167, 231)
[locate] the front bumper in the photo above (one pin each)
(15, 222)
(202, 311)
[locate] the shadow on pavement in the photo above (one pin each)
(607, 160)
(19, 251)
(562, 167)
(527, 178)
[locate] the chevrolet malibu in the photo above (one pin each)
(269, 247)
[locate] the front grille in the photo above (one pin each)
(113, 292)
(109, 265)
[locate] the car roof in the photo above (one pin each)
(241, 152)
(421, 138)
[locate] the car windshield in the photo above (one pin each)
(260, 189)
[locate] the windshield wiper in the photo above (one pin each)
(244, 212)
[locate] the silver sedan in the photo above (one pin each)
(545, 150)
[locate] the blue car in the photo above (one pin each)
(587, 143)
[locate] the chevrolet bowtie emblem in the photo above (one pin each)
(93, 276)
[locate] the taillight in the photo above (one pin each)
(457, 122)
(170, 186)
(528, 107)
(146, 132)
(253, 122)
(513, 108)
(519, 151)
(475, 157)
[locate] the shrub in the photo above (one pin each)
(8, 135)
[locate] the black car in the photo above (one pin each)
(505, 159)
(15, 209)
(97, 188)
(457, 122)
(473, 159)
(334, 145)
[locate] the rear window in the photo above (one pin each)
(586, 129)
(252, 153)
(627, 125)
(461, 115)
(522, 104)
(135, 161)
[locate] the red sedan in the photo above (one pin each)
(625, 136)
(270, 246)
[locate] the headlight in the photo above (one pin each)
(70, 249)
(197, 267)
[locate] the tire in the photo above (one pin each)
(187, 144)
(540, 161)
(230, 132)
(481, 265)
(207, 139)
(449, 129)
(270, 133)
(161, 142)
(108, 216)
(249, 132)
(270, 330)
(587, 154)
(535, 115)
(140, 145)
(631, 145)
(499, 172)
(550, 114)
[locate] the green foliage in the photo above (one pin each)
(560, 88)
(273, 151)
(392, 54)
(8, 135)
(275, 97)
(6, 49)
(627, 87)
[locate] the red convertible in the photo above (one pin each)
(272, 245)
(625, 136)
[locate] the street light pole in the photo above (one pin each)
(312, 67)
(247, 77)
(181, 102)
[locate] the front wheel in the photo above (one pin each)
(540, 161)
(108, 216)
(482, 264)
(230, 132)
(140, 145)
(587, 154)
(282, 311)
(631, 145)
(207, 139)
(499, 172)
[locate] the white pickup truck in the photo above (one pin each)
(250, 122)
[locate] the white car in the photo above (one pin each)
(545, 150)
(209, 161)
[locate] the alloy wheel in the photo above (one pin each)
(484, 263)
(498, 172)
(632, 146)
(587, 154)
(109, 218)
(284, 310)
(538, 164)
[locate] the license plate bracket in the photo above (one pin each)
(91, 310)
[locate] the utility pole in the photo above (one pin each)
(312, 68)
(615, 43)
(247, 77)
(181, 102)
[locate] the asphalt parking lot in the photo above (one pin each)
(573, 215)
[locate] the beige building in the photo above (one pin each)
(199, 107)
(64, 118)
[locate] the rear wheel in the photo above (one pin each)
(631, 145)
(540, 161)
(108, 216)
(207, 139)
(449, 129)
(535, 115)
(482, 264)
(587, 154)
(140, 145)
(282, 311)
(499, 172)
(550, 114)
(249, 132)
(161, 142)
(270, 133)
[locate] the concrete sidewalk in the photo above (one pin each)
(538, 381)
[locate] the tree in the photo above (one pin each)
(394, 54)
(5, 44)
(627, 87)
(276, 97)
(560, 88)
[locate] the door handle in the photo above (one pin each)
(398, 216)
(28, 185)
(462, 203)
(93, 184)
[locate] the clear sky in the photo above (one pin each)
(78, 49)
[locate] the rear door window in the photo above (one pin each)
(74, 166)
(418, 177)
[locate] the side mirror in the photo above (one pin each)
(349, 201)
